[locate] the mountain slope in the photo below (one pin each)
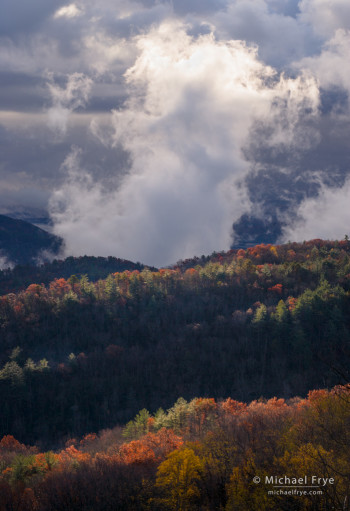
(22, 242)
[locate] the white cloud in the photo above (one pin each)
(192, 102)
(106, 52)
(68, 11)
(326, 216)
(332, 66)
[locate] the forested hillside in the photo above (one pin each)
(266, 321)
(202, 455)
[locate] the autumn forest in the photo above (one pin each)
(124, 387)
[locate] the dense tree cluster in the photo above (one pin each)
(198, 455)
(78, 356)
(21, 276)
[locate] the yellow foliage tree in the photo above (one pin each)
(246, 492)
(324, 466)
(177, 478)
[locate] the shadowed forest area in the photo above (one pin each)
(199, 455)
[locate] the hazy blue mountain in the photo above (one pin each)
(22, 242)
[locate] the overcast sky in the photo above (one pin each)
(147, 129)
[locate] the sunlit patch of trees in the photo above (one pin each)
(200, 454)
(19, 277)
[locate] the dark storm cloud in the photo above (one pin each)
(281, 179)
(20, 17)
(21, 92)
(285, 7)
(136, 22)
(41, 155)
(183, 7)
(30, 163)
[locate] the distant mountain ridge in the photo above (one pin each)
(23, 243)
(95, 268)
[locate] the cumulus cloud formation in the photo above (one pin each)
(189, 117)
(192, 102)
(332, 66)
